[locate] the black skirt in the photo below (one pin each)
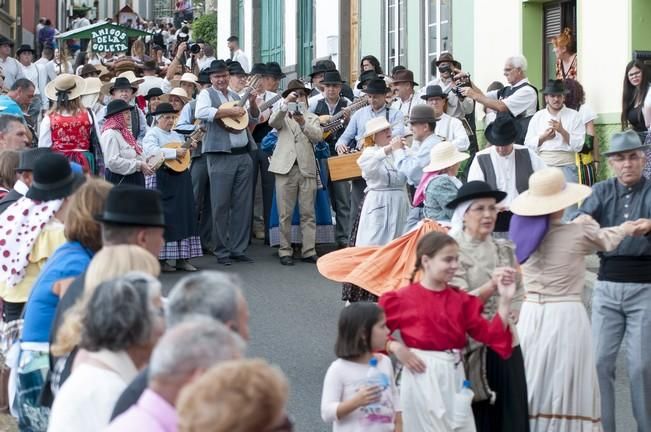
(178, 204)
(133, 179)
(506, 378)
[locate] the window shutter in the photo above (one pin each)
(553, 21)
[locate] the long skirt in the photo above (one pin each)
(507, 379)
(383, 216)
(137, 178)
(325, 230)
(556, 342)
(181, 235)
(430, 400)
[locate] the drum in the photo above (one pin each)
(344, 167)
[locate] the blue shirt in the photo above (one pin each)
(357, 125)
(70, 260)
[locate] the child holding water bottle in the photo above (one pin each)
(359, 392)
(434, 319)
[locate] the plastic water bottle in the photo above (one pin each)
(462, 414)
(375, 378)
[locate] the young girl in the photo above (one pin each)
(348, 401)
(434, 319)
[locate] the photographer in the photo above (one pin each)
(294, 165)
(444, 69)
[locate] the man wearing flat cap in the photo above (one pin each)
(621, 302)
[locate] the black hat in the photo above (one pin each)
(6, 41)
(121, 83)
(377, 86)
(447, 57)
(295, 85)
(319, 68)
(204, 77)
(133, 205)
(24, 48)
(554, 87)
(422, 114)
(273, 69)
(164, 108)
(259, 69)
(503, 131)
(53, 178)
(366, 76)
(217, 66)
(434, 91)
(116, 106)
(235, 68)
(154, 92)
(150, 65)
(332, 77)
(29, 157)
(474, 190)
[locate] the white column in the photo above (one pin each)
(290, 32)
(223, 28)
(326, 36)
(248, 30)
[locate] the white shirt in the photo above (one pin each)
(241, 57)
(524, 100)
(342, 381)
(151, 82)
(452, 130)
(119, 156)
(587, 113)
(11, 70)
(411, 161)
(572, 123)
(38, 76)
(504, 167)
(456, 108)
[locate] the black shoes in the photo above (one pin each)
(311, 259)
(287, 261)
(242, 258)
(225, 261)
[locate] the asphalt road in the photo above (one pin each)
(294, 313)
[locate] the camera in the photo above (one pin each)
(195, 48)
(182, 37)
(445, 69)
(459, 83)
(296, 107)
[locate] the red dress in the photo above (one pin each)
(71, 137)
(441, 320)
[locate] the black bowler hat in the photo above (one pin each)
(122, 83)
(273, 69)
(332, 78)
(319, 68)
(24, 48)
(133, 205)
(203, 78)
(53, 178)
(217, 66)
(366, 76)
(554, 87)
(377, 86)
(474, 190)
(235, 68)
(29, 157)
(116, 106)
(164, 108)
(295, 86)
(434, 91)
(503, 131)
(6, 41)
(259, 69)
(154, 92)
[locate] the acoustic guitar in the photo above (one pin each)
(238, 124)
(180, 165)
(330, 124)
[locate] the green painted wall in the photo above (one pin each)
(641, 25)
(371, 24)
(532, 44)
(463, 35)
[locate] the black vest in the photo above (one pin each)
(322, 109)
(522, 119)
(135, 121)
(523, 169)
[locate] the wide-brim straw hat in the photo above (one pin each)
(93, 85)
(73, 84)
(177, 91)
(375, 125)
(186, 77)
(131, 76)
(548, 193)
(444, 155)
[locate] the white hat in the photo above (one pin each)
(186, 77)
(131, 76)
(177, 91)
(444, 155)
(72, 84)
(548, 193)
(375, 125)
(93, 85)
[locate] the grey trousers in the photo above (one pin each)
(231, 196)
(201, 189)
(261, 169)
(623, 311)
(339, 192)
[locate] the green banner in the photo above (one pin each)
(109, 39)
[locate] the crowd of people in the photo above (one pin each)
(126, 166)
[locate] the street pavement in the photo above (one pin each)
(294, 314)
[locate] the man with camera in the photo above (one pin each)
(444, 70)
(294, 166)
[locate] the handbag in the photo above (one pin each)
(474, 364)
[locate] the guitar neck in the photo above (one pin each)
(268, 103)
(334, 122)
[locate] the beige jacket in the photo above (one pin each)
(294, 144)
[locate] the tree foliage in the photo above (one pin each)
(205, 27)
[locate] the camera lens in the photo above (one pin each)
(195, 48)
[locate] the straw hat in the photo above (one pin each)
(93, 85)
(444, 155)
(375, 125)
(131, 76)
(186, 77)
(548, 193)
(72, 84)
(177, 91)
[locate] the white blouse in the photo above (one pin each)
(119, 156)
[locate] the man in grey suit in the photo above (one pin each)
(24, 171)
(230, 167)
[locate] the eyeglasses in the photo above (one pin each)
(483, 209)
(634, 74)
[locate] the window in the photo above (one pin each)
(395, 16)
(271, 38)
(306, 36)
(557, 16)
(439, 33)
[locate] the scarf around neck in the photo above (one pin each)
(118, 123)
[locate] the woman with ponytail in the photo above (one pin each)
(67, 127)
